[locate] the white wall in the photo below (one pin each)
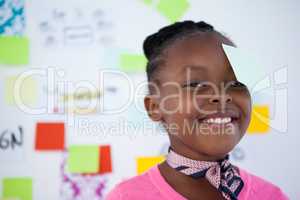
(269, 29)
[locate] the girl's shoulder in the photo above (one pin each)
(150, 185)
(256, 187)
(137, 187)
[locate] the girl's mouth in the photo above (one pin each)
(220, 118)
(218, 125)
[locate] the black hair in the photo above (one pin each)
(155, 44)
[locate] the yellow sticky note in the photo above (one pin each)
(133, 62)
(260, 120)
(145, 163)
(14, 50)
(27, 91)
(173, 10)
(20, 188)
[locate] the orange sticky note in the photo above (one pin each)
(260, 120)
(145, 163)
(50, 136)
(105, 159)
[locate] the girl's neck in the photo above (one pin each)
(187, 186)
(188, 152)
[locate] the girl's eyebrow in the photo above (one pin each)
(193, 67)
(190, 69)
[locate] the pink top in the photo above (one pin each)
(151, 185)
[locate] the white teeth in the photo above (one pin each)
(218, 120)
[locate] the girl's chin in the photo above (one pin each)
(221, 151)
(217, 145)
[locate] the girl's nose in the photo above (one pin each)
(220, 98)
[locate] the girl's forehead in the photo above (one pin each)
(204, 51)
(196, 58)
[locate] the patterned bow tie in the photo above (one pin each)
(221, 174)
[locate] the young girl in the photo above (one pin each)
(195, 94)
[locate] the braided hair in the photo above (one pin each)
(155, 44)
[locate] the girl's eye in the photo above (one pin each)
(237, 84)
(195, 84)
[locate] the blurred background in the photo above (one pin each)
(72, 122)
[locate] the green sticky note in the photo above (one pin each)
(173, 10)
(83, 159)
(148, 2)
(14, 50)
(133, 62)
(246, 68)
(19, 188)
(27, 90)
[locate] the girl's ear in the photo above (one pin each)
(152, 106)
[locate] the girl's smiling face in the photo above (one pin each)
(205, 110)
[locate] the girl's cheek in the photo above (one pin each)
(246, 102)
(243, 101)
(191, 107)
(172, 105)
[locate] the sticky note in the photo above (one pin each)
(14, 50)
(20, 188)
(132, 62)
(145, 163)
(50, 136)
(105, 159)
(260, 120)
(83, 159)
(148, 2)
(27, 90)
(173, 10)
(246, 68)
